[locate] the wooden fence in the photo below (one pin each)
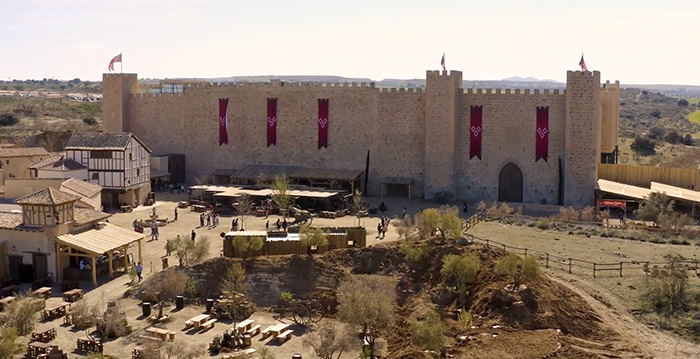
(572, 265)
(337, 238)
(642, 176)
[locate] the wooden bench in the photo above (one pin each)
(265, 333)
(283, 337)
(253, 331)
(208, 325)
(45, 336)
(189, 324)
(149, 339)
(72, 295)
(43, 292)
(89, 345)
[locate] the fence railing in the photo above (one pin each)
(569, 264)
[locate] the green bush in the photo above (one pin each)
(8, 119)
(461, 269)
(666, 291)
(543, 223)
(414, 252)
(90, 121)
(643, 146)
(430, 332)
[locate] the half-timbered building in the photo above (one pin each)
(119, 162)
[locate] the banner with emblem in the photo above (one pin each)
(542, 134)
(223, 121)
(271, 122)
(475, 132)
(323, 122)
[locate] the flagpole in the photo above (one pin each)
(121, 64)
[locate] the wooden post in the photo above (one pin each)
(111, 271)
(620, 269)
(140, 257)
(59, 275)
(93, 269)
(593, 270)
(504, 248)
(126, 259)
(525, 252)
(569, 265)
(546, 265)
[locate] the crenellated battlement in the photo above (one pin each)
(505, 92)
(157, 95)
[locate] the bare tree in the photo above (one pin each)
(357, 204)
(244, 207)
(367, 302)
(280, 194)
(165, 286)
(21, 314)
(328, 341)
(187, 251)
(233, 286)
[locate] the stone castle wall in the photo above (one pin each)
(423, 135)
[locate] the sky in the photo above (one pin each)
(636, 42)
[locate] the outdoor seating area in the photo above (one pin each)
(45, 336)
(73, 295)
(34, 349)
(90, 345)
(162, 334)
(54, 311)
(276, 331)
(43, 292)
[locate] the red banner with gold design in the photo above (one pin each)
(223, 121)
(323, 122)
(475, 131)
(542, 134)
(271, 122)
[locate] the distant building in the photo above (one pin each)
(57, 166)
(119, 162)
(14, 162)
(90, 194)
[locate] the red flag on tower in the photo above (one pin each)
(117, 58)
(223, 121)
(582, 64)
(442, 62)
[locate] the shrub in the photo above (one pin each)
(445, 220)
(656, 133)
(414, 252)
(542, 223)
(8, 347)
(588, 214)
(505, 209)
(462, 270)
(84, 314)
(683, 102)
(516, 267)
(465, 318)
(328, 341)
(688, 140)
(286, 297)
(429, 333)
(114, 323)
(568, 214)
(673, 137)
(666, 291)
(21, 314)
(652, 206)
(481, 207)
(493, 212)
(191, 287)
(643, 145)
(312, 237)
(90, 121)
(8, 119)
(656, 114)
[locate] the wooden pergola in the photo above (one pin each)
(104, 240)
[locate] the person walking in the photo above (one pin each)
(267, 225)
(278, 224)
(379, 228)
(208, 220)
(403, 213)
(139, 270)
(466, 208)
(167, 246)
(201, 220)
(194, 234)
(176, 213)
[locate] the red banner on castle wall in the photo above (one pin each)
(475, 132)
(323, 122)
(542, 134)
(223, 121)
(271, 122)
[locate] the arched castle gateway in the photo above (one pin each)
(540, 146)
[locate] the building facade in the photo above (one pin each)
(472, 144)
(14, 162)
(119, 162)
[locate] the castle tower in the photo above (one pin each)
(610, 122)
(582, 143)
(116, 89)
(442, 96)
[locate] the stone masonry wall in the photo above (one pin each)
(610, 121)
(509, 125)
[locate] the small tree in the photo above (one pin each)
(199, 252)
(643, 145)
(655, 204)
(367, 302)
(405, 228)
(445, 220)
(312, 237)
(414, 252)
(280, 194)
(244, 207)
(516, 267)
(163, 287)
(328, 341)
(568, 214)
(429, 333)
(233, 286)
(673, 223)
(84, 314)
(245, 244)
(461, 271)
(181, 247)
(588, 214)
(8, 119)
(357, 204)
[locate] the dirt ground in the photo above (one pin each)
(608, 295)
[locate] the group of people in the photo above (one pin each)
(382, 227)
(212, 219)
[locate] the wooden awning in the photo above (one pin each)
(100, 241)
(621, 189)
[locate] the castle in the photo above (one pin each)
(468, 144)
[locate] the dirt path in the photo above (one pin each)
(648, 343)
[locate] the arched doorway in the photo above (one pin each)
(510, 184)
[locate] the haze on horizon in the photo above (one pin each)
(636, 42)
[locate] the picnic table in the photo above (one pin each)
(73, 295)
(243, 326)
(5, 301)
(45, 336)
(183, 204)
(126, 208)
(327, 214)
(197, 321)
(162, 334)
(198, 208)
(43, 292)
(275, 330)
(55, 311)
(34, 349)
